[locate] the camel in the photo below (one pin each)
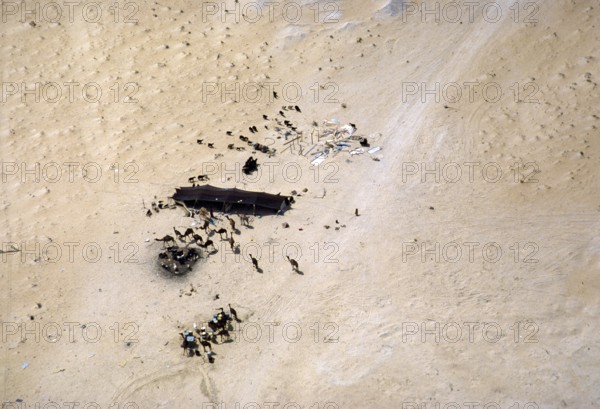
(204, 338)
(189, 344)
(294, 264)
(254, 262)
(205, 225)
(178, 234)
(188, 232)
(233, 313)
(223, 333)
(167, 239)
(197, 239)
(206, 344)
(206, 244)
(214, 327)
(183, 236)
(231, 242)
(221, 231)
(231, 223)
(244, 219)
(218, 324)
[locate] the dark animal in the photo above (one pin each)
(211, 145)
(275, 95)
(356, 212)
(294, 264)
(167, 239)
(179, 235)
(231, 242)
(206, 244)
(261, 148)
(221, 231)
(223, 333)
(282, 114)
(206, 344)
(297, 108)
(205, 225)
(202, 178)
(214, 327)
(188, 232)
(149, 213)
(254, 262)
(233, 313)
(231, 222)
(189, 344)
(251, 129)
(228, 133)
(244, 219)
(266, 118)
(199, 141)
(243, 138)
(204, 338)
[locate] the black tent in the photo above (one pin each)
(231, 199)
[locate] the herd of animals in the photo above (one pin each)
(219, 327)
(178, 257)
(179, 260)
(183, 249)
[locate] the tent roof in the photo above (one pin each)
(208, 193)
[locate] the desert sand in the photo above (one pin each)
(470, 277)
